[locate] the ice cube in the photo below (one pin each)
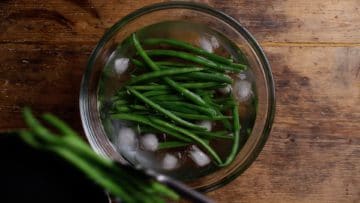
(205, 124)
(149, 142)
(126, 140)
(241, 76)
(169, 162)
(206, 44)
(121, 65)
(214, 42)
(198, 156)
(242, 90)
(225, 90)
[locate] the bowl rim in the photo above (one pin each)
(203, 8)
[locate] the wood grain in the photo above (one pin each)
(313, 153)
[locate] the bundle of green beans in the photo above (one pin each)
(129, 185)
(171, 94)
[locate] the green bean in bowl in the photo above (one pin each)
(181, 107)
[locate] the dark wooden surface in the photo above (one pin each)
(313, 153)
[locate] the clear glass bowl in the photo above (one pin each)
(195, 13)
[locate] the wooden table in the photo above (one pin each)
(313, 153)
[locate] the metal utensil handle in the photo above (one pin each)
(183, 190)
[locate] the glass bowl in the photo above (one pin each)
(199, 14)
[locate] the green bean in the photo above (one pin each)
(122, 108)
(213, 135)
(94, 173)
(165, 64)
(152, 93)
(157, 107)
(162, 73)
(195, 59)
(216, 77)
(164, 190)
(203, 85)
(181, 109)
(200, 117)
(103, 171)
(225, 122)
(75, 143)
(146, 121)
(147, 129)
(137, 63)
(138, 107)
(208, 111)
(192, 136)
(190, 85)
(161, 98)
(117, 102)
(183, 91)
(236, 131)
(188, 47)
(171, 63)
(172, 144)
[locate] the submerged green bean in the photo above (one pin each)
(171, 63)
(188, 47)
(146, 121)
(175, 105)
(172, 144)
(160, 98)
(189, 85)
(162, 73)
(217, 77)
(236, 132)
(214, 134)
(192, 136)
(195, 59)
(157, 107)
(200, 117)
(152, 93)
(183, 91)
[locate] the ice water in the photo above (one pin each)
(190, 162)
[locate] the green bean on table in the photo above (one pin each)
(119, 181)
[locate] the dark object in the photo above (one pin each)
(30, 175)
(184, 191)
